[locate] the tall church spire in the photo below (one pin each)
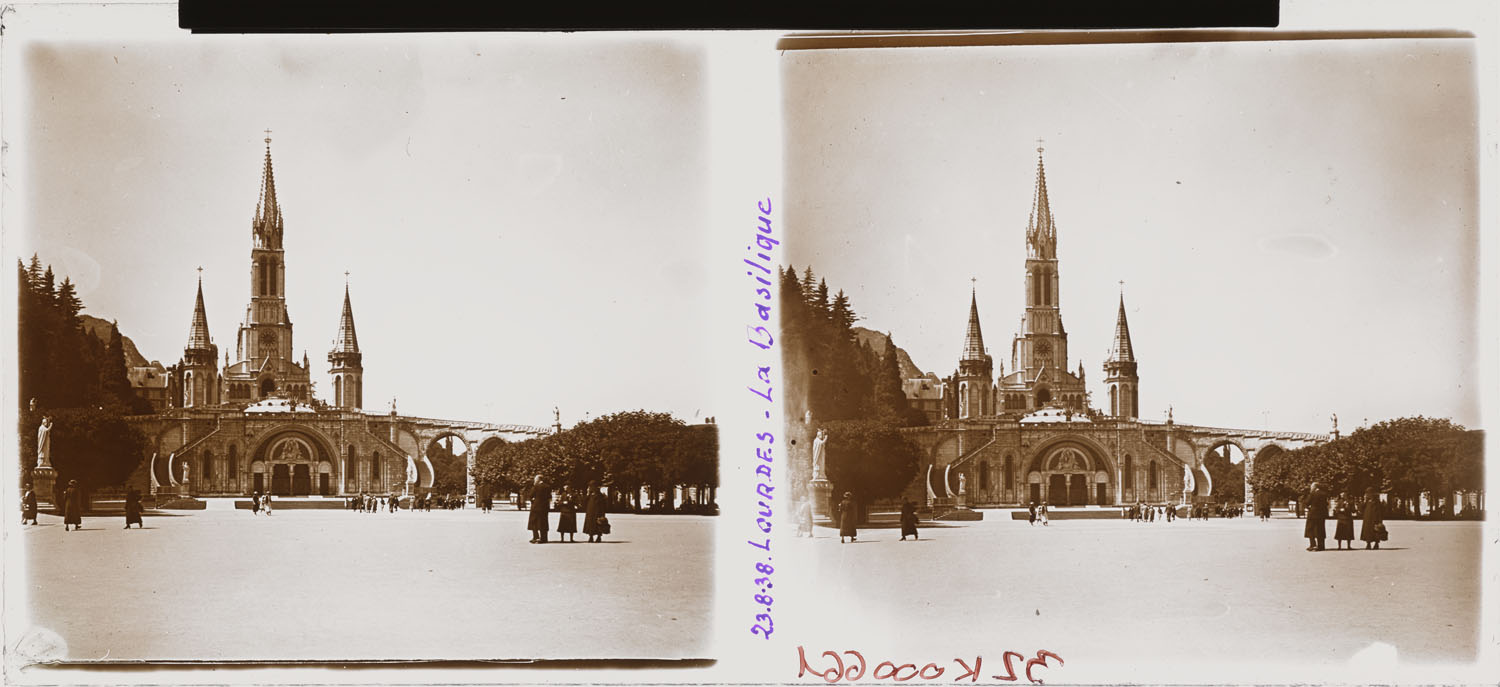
(1120, 350)
(1121, 376)
(345, 363)
(973, 338)
(346, 341)
(267, 223)
(1041, 233)
(198, 337)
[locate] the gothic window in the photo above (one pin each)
(984, 475)
(1043, 396)
(267, 385)
(375, 465)
(963, 399)
(1114, 400)
(1151, 475)
(1128, 478)
(338, 390)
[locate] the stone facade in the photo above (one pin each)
(254, 423)
(1032, 436)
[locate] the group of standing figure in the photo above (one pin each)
(374, 503)
(595, 522)
(848, 519)
(260, 502)
(73, 508)
(1372, 529)
(1036, 513)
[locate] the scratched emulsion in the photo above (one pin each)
(334, 585)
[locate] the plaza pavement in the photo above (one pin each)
(332, 584)
(1225, 596)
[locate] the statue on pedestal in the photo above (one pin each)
(44, 443)
(820, 456)
(185, 469)
(963, 489)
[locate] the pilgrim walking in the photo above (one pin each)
(908, 519)
(847, 516)
(1343, 514)
(595, 522)
(1372, 530)
(72, 507)
(28, 506)
(133, 509)
(541, 503)
(567, 517)
(1316, 530)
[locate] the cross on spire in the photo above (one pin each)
(1039, 143)
(268, 138)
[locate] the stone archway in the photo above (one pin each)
(291, 460)
(1071, 470)
(447, 457)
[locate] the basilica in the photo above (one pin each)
(253, 423)
(1029, 435)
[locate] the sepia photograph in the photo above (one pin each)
(359, 348)
(1104, 352)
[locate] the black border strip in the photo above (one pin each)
(330, 16)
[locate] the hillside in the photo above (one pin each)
(100, 328)
(876, 340)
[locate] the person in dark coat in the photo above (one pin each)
(28, 506)
(1344, 515)
(255, 503)
(908, 519)
(72, 507)
(1031, 513)
(567, 517)
(846, 517)
(541, 503)
(1316, 530)
(1372, 517)
(133, 509)
(593, 514)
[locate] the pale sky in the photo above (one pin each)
(522, 219)
(1295, 222)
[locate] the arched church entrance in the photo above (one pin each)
(295, 462)
(1069, 475)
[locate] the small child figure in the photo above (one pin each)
(1344, 515)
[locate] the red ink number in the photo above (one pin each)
(1010, 668)
(1040, 660)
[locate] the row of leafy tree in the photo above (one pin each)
(849, 388)
(78, 380)
(1404, 458)
(628, 452)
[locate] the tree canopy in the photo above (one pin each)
(76, 378)
(625, 451)
(1404, 457)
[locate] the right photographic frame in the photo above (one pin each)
(1126, 357)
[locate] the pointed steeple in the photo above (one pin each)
(973, 338)
(198, 337)
(267, 223)
(345, 341)
(1041, 233)
(1120, 351)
